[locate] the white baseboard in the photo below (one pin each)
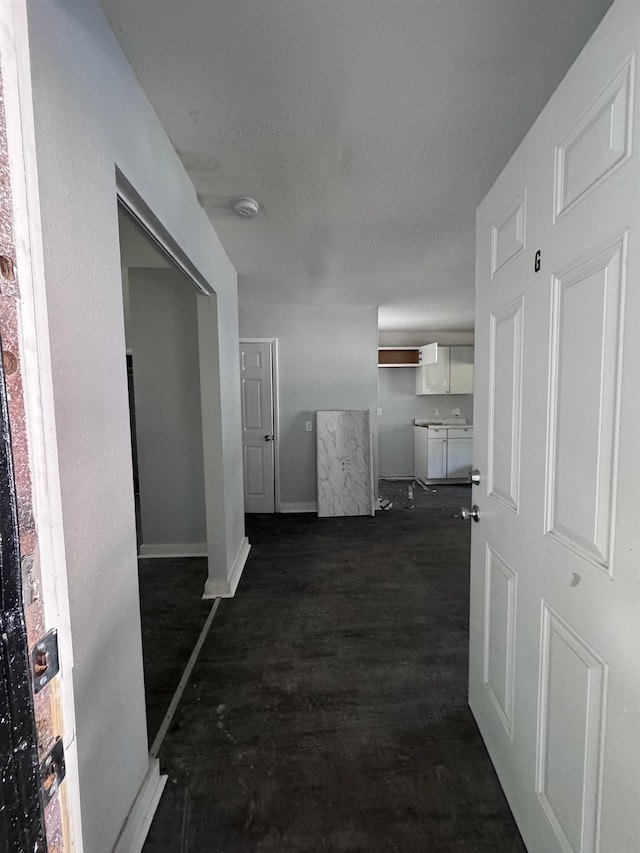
(301, 507)
(173, 549)
(136, 826)
(227, 589)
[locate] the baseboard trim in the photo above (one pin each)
(299, 507)
(173, 549)
(138, 822)
(186, 675)
(227, 589)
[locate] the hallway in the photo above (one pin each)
(327, 710)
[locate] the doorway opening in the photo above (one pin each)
(163, 372)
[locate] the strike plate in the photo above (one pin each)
(45, 663)
(52, 772)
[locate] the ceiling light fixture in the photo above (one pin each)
(245, 207)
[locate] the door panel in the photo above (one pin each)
(505, 411)
(572, 693)
(254, 464)
(584, 383)
(598, 143)
(499, 638)
(507, 237)
(258, 439)
(253, 393)
(554, 575)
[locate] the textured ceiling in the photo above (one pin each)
(368, 130)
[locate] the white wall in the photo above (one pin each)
(400, 405)
(163, 336)
(91, 116)
(327, 360)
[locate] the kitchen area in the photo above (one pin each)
(425, 412)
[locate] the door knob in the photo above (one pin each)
(268, 438)
(468, 514)
(474, 477)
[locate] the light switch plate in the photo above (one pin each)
(308, 426)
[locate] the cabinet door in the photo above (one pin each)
(428, 354)
(434, 378)
(461, 370)
(437, 459)
(459, 456)
(420, 435)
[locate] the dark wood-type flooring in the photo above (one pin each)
(327, 712)
(172, 615)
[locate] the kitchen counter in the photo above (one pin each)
(448, 423)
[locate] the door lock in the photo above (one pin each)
(474, 477)
(268, 438)
(468, 514)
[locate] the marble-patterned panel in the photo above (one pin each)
(345, 463)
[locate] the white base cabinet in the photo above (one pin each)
(459, 457)
(442, 453)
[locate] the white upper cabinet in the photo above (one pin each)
(445, 370)
(461, 370)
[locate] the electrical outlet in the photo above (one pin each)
(308, 426)
(379, 413)
(436, 411)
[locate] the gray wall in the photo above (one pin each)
(327, 361)
(91, 116)
(400, 405)
(164, 342)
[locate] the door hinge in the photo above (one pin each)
(45, 661)
(52, 772)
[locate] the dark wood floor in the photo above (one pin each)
(327, 711)
(172, 614)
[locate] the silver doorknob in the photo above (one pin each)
(474, 477)
(268, 438)
(468, 514)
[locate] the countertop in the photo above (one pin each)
(446, 422)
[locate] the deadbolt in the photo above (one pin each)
(474, 477)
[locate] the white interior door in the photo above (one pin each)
(555, 577)
(258, 433)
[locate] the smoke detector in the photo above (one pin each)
(245, 207)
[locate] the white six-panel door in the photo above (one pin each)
(258, 436)
(555, 577)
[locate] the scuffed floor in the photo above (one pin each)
(172, 615)
(328, 710)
